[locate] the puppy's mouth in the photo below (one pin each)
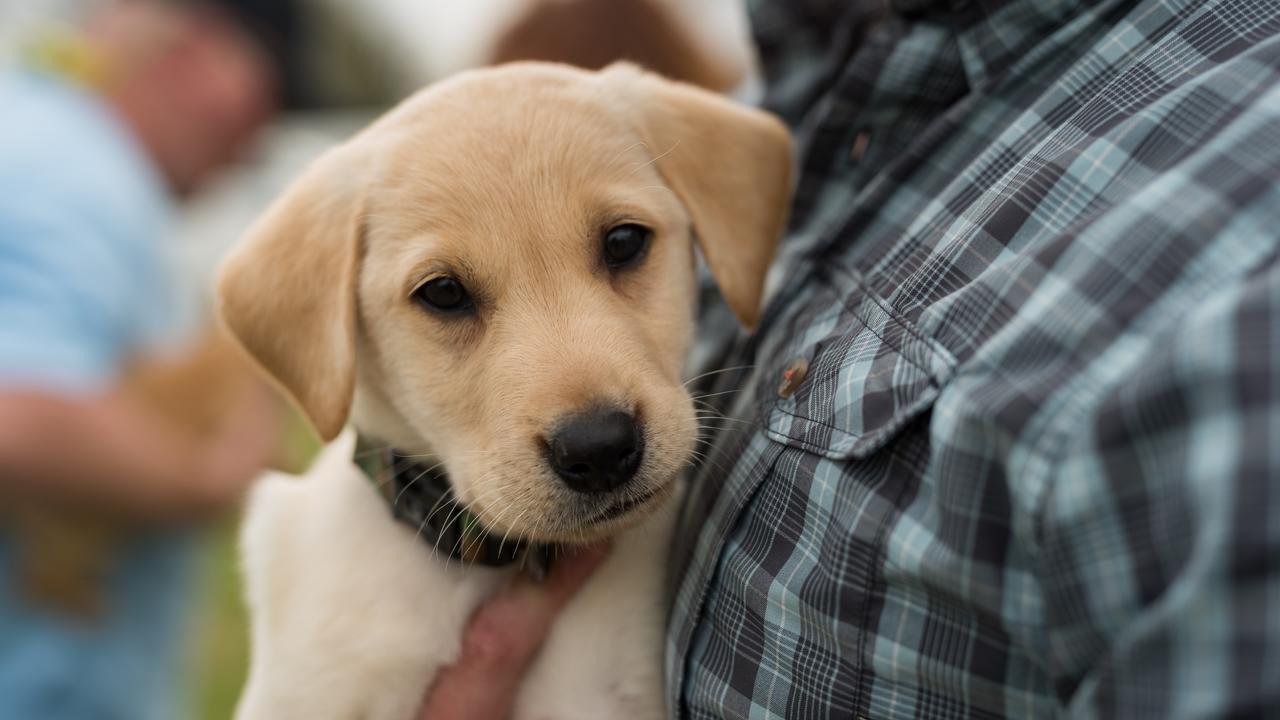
(623, 507)
(626, 509)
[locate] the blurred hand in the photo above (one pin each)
(502, 640)
(248, 439)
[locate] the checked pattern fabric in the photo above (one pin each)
(1025, 458)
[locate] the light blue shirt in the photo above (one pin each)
(83, 214)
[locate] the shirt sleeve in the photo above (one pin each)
(1161, 531)
(65, 294)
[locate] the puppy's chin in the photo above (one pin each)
(574, 520)
(627, 512)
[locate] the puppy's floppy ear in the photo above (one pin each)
(287, 292)
(729, 164)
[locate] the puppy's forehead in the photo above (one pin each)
(531, 142)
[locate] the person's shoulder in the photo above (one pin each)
(65, 149)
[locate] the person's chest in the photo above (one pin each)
(963, 287)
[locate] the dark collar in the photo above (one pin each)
(423, 498)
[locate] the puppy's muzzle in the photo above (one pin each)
(596, 451)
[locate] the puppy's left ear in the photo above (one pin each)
(729, 164)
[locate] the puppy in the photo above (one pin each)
(494, 285)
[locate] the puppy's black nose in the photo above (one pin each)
(596, 451)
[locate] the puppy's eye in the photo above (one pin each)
(624, 245)
(444, 295)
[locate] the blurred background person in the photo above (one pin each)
(102, 130)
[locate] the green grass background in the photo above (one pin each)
(221, 640)
(220, 628)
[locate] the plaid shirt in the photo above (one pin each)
(1027, 460)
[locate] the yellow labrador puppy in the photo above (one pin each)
(494, 285)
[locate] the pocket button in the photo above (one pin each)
(792, 377)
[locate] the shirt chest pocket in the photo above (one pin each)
(853, 378)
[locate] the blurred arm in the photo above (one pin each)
(105, 453)
(81, 423)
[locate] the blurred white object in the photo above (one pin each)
(429, 39)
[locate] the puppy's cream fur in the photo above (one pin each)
(506, 179)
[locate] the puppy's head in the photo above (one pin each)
(499, 274)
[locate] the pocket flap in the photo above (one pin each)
(864, 382)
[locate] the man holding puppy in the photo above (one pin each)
(1012, 412)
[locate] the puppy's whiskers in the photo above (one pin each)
(704, 396)
(449, 507)
(501, 515)
(701, 459)
(716, 419)
(735, 368)
(396, 501)
(495, 491)
(503, 543)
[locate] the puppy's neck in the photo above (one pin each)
(379, 423)
(421, 496)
